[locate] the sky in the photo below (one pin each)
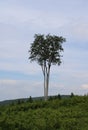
(20, 20)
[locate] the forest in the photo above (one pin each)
(57, 113)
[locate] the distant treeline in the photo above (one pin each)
(34, 98)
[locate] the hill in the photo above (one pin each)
(55, 114)
(5, 102)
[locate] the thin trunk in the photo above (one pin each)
(44, 80)
(47, 81)
(46, 74)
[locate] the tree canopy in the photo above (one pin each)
(46, 48)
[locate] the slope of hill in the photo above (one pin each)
(55, 114)
(5, 102)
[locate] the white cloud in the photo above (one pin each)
(5, 82)
(13, 14)
(32, 17)
(12, 89)
(84, 86)
(76, 29)
(80, 30)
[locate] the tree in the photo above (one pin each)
(72, 94)
(46, 51)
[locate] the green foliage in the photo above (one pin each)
(46, 49)
(56, 114)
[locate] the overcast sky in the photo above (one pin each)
(20, 20)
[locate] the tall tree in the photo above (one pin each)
(46, 50)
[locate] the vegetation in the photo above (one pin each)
(57, 113)
(46, 51)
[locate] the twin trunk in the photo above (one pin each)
(46, 73)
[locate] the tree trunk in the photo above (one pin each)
(47, 81)
(46, 73)
(44, 86)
